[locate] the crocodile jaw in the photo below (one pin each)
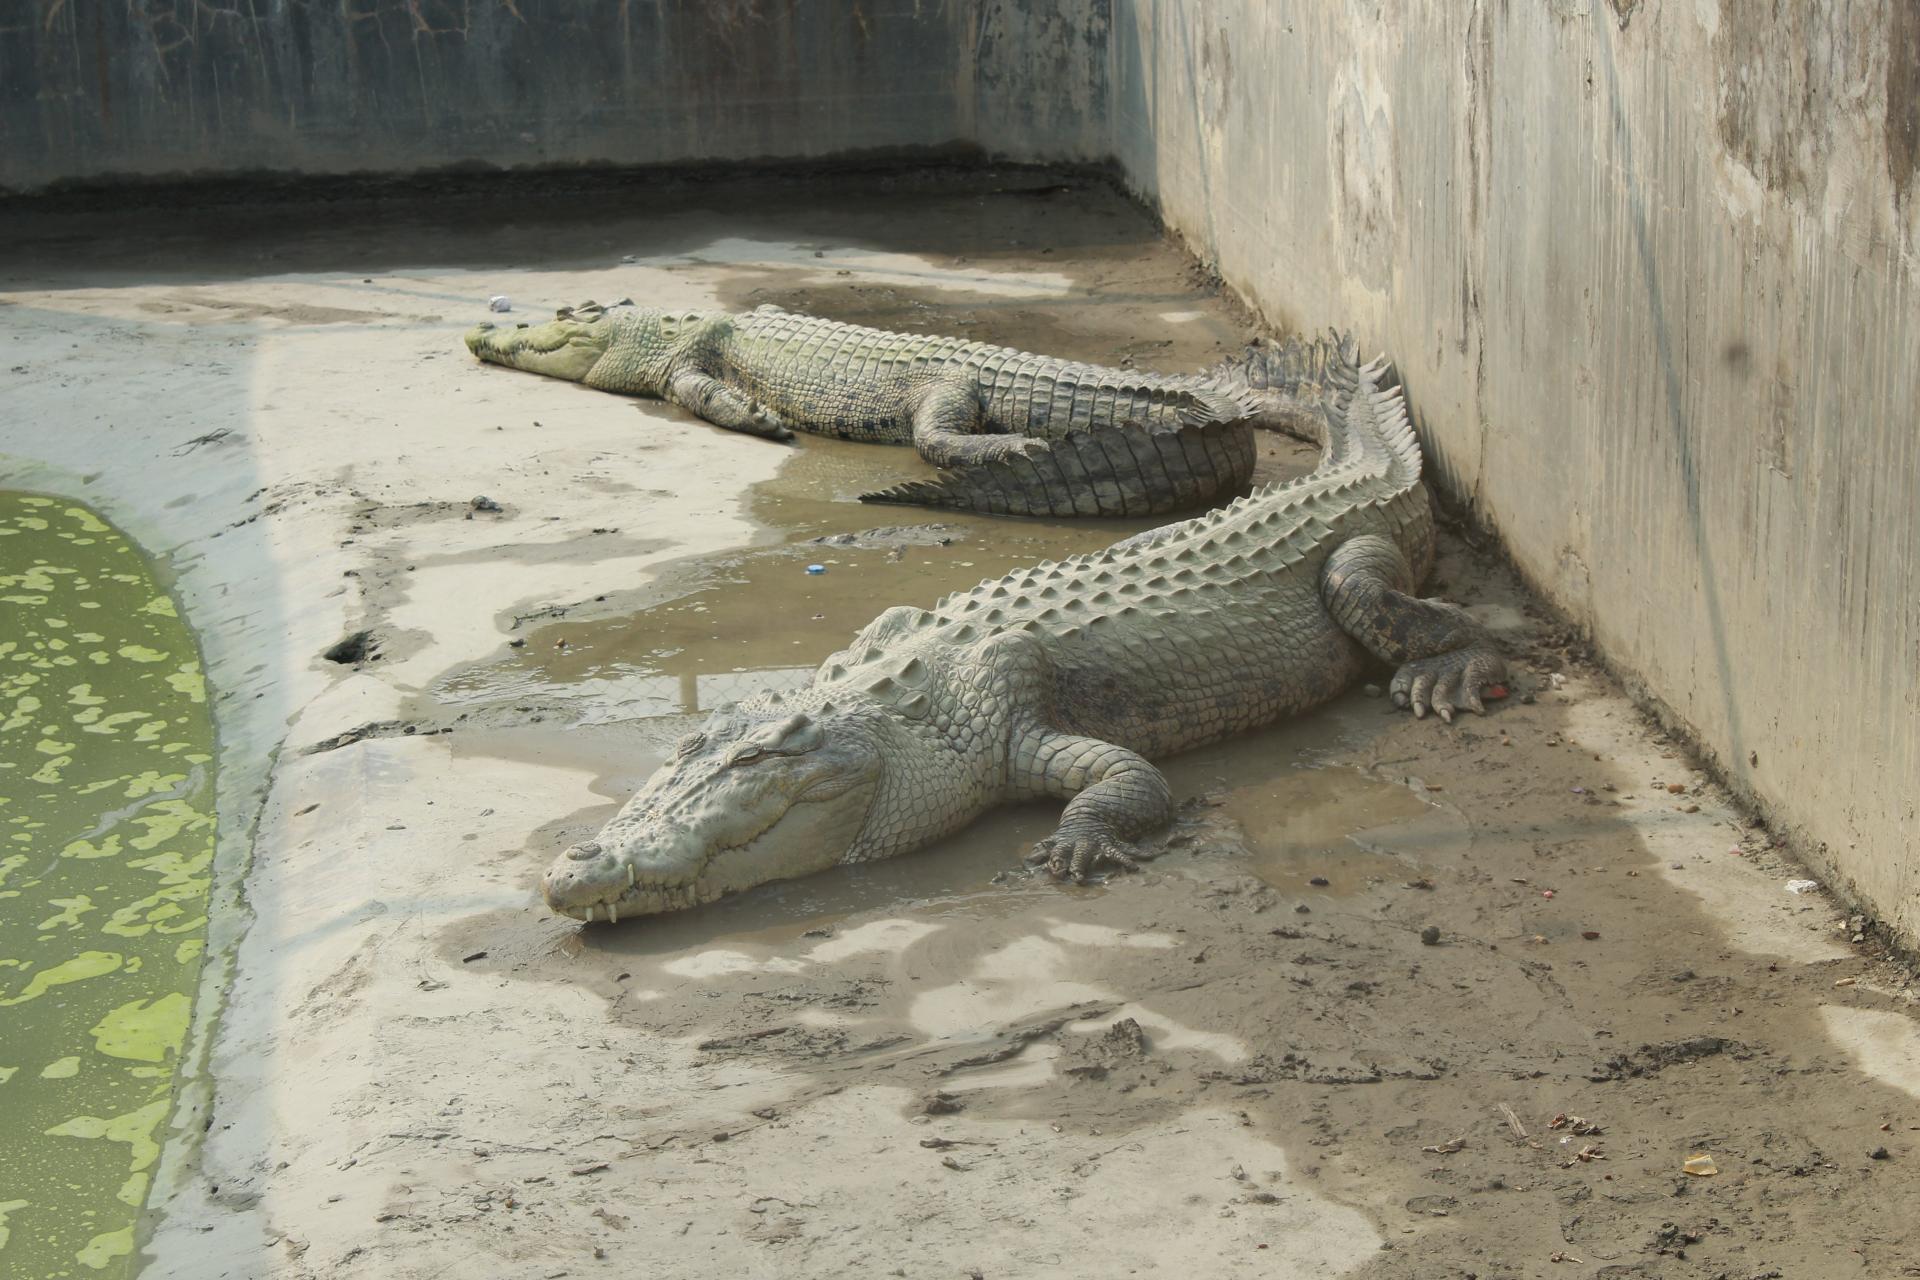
(651, 868)
(564, 348)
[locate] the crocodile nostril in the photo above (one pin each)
(581, 852)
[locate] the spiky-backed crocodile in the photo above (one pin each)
(1017, 434)
(1063, 680)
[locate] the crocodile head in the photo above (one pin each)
(759, 794)
(568, 346)
(620, 348)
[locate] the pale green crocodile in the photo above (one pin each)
(1015, 434)
(1063, 680)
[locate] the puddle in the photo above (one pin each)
(106, 795)
(1307, 825)
(717, 629)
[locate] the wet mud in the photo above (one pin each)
(1365, 938)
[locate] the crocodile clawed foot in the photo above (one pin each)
(1076, 857)
(1005, 448)
(1460, 680)
(765, 422)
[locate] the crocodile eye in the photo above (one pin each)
(689, 744)
(745, 755)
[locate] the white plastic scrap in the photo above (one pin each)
(499, 302)
(1802, 886)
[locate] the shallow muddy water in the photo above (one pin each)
(106, 804)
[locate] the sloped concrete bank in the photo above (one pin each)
(1649, 272)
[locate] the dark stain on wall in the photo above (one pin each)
(1903, 96)
(1771, 90)
(186, 87)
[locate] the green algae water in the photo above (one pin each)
(106, 845)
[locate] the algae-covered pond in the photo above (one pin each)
(106, 844)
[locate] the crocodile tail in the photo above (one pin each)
(1126, 470)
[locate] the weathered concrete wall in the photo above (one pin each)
(177, 88)
(1650, 272)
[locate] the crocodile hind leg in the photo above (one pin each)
(714, 401)
(947, 422)
(1445, 660)
(1114, 795)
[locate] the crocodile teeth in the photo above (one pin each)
(613, 914)
(631, 877)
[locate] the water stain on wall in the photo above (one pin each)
(106, 840)
(1903, 98)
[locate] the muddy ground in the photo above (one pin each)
(1394, 999)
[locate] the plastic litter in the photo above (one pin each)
(1700, 1165)
(1802, 886)
(499, 302)
(816, 568)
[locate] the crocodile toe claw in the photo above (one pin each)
(1076, 858)
(1457, 681)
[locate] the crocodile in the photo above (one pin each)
(1014, 433)
(1064, 680)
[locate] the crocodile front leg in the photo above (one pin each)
(714, 401)
(1114, 795)
(1445, 660)
(946, 428)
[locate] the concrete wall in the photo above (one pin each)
(1650, 272)
(177, 88)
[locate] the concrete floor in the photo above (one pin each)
(416, 1071)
